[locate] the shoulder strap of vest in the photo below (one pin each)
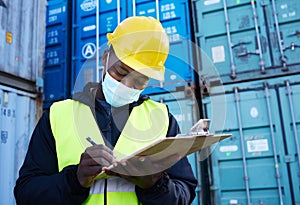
(71, 123)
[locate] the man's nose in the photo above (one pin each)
(127, 81)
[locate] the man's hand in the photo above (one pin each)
(91, 163)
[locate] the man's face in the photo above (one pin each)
(124, 74)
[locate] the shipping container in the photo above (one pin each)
(241, 37)
(73, 62)
(259, 164)
(22, 34)
(57, 63)
(19, 111)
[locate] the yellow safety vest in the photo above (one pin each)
(72, 121)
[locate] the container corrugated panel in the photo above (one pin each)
(182, 109)
(239, 38)
(283, 24)
(17, 120)
(84, 36)
(174, 17)
(259, 163)
(22, 38)
(57, 65)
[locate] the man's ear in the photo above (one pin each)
(104, 57)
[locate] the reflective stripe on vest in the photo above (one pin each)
(71, 122)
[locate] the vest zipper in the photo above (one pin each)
(105, 192)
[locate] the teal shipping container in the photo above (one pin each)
(260, 163)
(249, 39)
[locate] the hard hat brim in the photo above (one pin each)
(154, 72)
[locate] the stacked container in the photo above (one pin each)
(22, 31)
(249, 39)
(57, 64)
(250, 92)
(75, 61)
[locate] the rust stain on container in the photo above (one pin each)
(9, 37)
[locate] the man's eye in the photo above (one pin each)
(121, 72)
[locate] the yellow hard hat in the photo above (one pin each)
(142, 44)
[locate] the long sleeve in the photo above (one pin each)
(177, 186)
(39, 181)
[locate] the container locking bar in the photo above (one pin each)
(283, 58)
(246, 177)
(259, 50)
(261, 60)
(267, 95)
(232, 64)
(291, 104)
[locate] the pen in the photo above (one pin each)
(91, 141)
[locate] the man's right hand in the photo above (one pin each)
(91, 163)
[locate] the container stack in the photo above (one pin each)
(250, 88)
(22, 32)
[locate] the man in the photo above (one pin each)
(61, 167)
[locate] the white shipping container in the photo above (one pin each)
(22, 34)
(19, 111)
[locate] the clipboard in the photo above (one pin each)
(182, 145)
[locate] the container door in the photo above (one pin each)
(289, 97)
(56, 70)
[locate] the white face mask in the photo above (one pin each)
(116, 93)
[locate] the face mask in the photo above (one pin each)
(117, 94)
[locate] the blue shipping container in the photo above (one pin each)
(56, 66)
(73, 61)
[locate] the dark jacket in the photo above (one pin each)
(40, 182)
